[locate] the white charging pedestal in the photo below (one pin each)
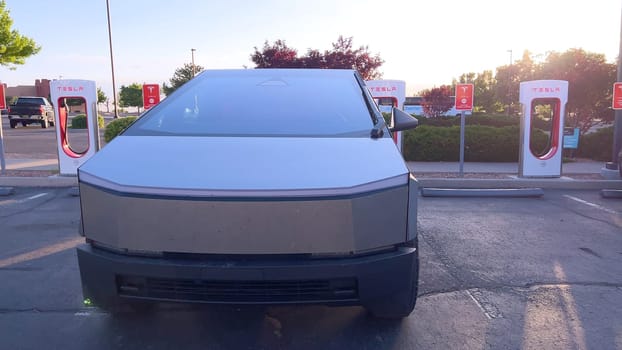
(61, 90)
(547, 99)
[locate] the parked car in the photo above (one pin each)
(29, 109)
(266, 186)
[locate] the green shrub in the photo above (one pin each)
(597, 145)
(438, 121)
(482, 143)
(79, 121)
(430, 143)
(489, 138)
(497, 121)
(387, 117)
(116, 126)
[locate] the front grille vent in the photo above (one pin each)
(214, 291)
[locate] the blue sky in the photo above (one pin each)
(425, 43)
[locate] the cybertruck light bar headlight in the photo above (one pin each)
(123, 251)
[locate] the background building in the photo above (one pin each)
(41, 88)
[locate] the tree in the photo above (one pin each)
(590, 80)
(437, 101)
(180, 77)
(485, 91)
(589, 75)
(277, 55)
(342, 56)
(102, 98)
(508, 80)
(14, 47)
(131, 96)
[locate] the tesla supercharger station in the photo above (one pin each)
(545, 99)
(61, 90)
(390, 89)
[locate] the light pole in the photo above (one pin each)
(114, 87)
(510, 83)
(193, 66)
(617, 128)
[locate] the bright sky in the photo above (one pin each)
(425, 43)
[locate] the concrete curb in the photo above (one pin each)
(482, 192)
(50, 181)
(566, 184)
(606, 193)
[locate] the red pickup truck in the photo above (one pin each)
(27, 110)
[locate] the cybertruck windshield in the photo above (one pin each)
(269, 102)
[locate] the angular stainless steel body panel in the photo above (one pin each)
(246, 226)
(245, 163)
(413, 194)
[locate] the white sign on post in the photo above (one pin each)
(464, 102)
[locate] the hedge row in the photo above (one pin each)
(482, 143)
(79, 121)
(116, 126)
(597, 145)
(497, 121)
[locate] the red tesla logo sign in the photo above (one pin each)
(2, 97)
(151, 95)
(383, 88)
(464, 97)
(617, 96)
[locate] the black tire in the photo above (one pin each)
(394, 308)
(44, 123)
(12, 124)
(51, 123)
(24, 124)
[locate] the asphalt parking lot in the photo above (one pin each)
(34, 142)
(504, 273)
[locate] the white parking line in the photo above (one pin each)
(33, 197)
(23, 200)
(593, 205)
(481, 306)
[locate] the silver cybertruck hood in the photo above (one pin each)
(245, 166)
